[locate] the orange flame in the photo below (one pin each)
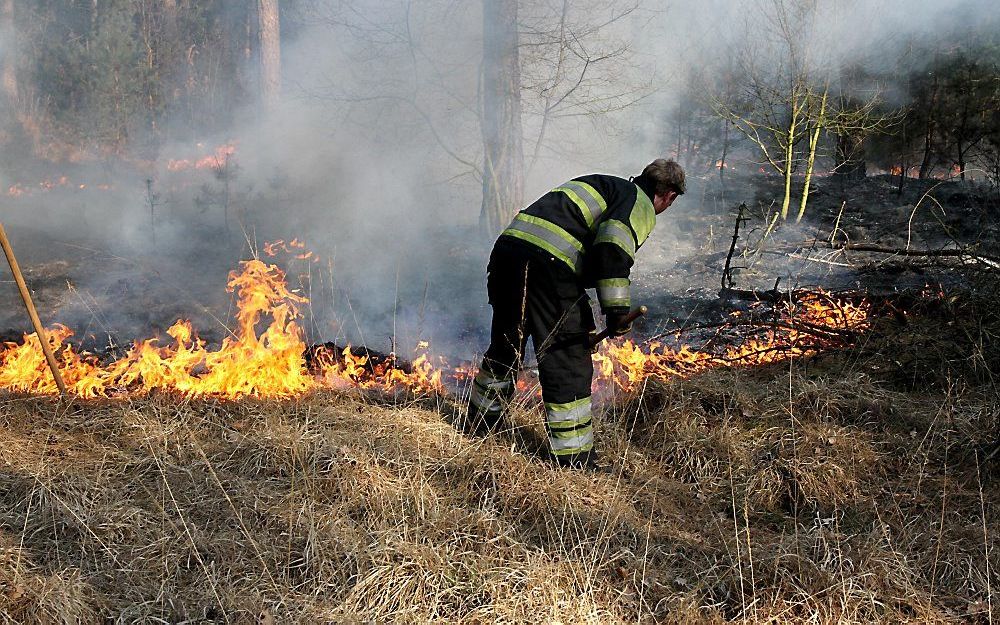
(213, 161)
(268, 363)
(266, 355)
(627, 364)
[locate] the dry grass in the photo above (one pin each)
(808, 492)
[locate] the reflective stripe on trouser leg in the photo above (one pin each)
(489, 394)
(570, 427)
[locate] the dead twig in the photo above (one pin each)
(727, 277)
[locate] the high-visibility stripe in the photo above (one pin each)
(614, 231)
(486, 381)
(586, 197)
(566, 432)
(485, 403)
(614, 292)
(489, 393)
(643, 216)
(563, 416)
(570, 427)
(583, 441)
(549, 237)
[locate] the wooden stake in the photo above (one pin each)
(30, 306)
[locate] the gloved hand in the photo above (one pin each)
(594, 344)
(616, 323)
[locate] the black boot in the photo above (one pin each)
(586, 460)
(481, 424)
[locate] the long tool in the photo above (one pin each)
(30, 306)
(629, 318)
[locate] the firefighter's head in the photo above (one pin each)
(664, 179)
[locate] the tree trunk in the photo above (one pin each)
(851, 164)
(960, 134)
(925, 163)
(170, 17)
(811, 159)
(270, 52)
(961, 160)
(789, 163)
(7, 33)
(725, 151)
(503, 162)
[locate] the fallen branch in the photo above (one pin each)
(794, 250)
(948, 252)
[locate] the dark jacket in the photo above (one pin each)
(594, 224)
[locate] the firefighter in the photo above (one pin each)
(582, 234)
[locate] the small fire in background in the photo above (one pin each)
(295, 249)
(216, 160)
(266, 355)
(19, 190)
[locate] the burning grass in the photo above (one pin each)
(265, 355)
(251, 362)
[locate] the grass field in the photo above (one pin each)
(826, 490)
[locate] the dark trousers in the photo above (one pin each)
(536, 295)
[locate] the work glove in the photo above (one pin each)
(616, 323)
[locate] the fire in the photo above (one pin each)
(361, 371)
(252, 362)
(18, 190)
(295, 249)
(266, 355)
(804, 328)
(215, 160)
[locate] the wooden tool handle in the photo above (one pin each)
(32, 313)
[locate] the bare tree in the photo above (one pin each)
(270, 51)
(786, 104)
(503, 158)
(7, 33)
(544, 67)
(575, 63)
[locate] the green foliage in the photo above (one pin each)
(113, 74)
(93, 83)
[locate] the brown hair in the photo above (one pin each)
(664, 175)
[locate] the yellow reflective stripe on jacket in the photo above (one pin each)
(643, 216)
(586, 197)
(549, 237)
(614, 292)
(616, 232)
